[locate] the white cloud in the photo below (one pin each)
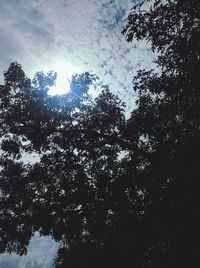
(41, 254)
(85, 33)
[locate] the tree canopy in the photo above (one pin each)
(111, 190)
(166, 124)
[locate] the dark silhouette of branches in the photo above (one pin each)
(112, 191)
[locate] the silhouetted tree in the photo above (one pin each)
(112, 191)
(165, 125)
(81, 190)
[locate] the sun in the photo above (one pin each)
(64, 71)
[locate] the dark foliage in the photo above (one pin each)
(79, 185)
(114, 192)
(166, 125)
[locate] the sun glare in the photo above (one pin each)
(64, 74)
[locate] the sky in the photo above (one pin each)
(69, 36)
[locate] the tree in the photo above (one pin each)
(105, 208)
(166, 127)
(80, 190)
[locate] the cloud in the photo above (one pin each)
(9, 50)
(83, 33)
(41, 253)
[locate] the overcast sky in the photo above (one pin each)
(69, 36)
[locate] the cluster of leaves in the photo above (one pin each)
(112, 191)
(73, 191)
(166, 125)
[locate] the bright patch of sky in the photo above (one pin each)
(70, 36)
(41, 254)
